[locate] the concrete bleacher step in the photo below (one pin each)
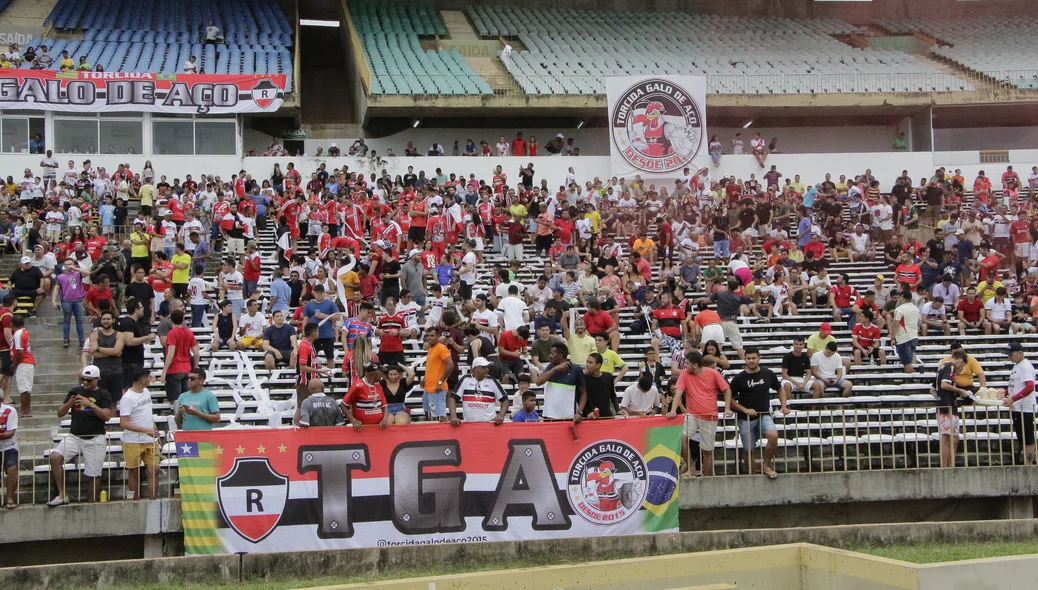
(26, 13)
(458, 25)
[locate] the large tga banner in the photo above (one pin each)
(657, 124)
(91, 92)
(270, 490)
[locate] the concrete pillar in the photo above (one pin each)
(1017, 507)
(163, 545)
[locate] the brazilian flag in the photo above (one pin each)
(663, 461)
(67, 75)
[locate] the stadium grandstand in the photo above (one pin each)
(245, 222)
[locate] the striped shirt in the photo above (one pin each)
(366, 401)
(307, 358)
(353, 328)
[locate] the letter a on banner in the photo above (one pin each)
(657, 124)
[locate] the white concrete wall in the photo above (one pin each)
(171, 166)
(595, 141)
(886, 166)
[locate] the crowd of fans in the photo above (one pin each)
(41, 58)
(364, 259)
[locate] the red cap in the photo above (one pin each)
(825, 328)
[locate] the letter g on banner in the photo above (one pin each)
(426, 502)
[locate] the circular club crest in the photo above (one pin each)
(657, 126)
(607, 482)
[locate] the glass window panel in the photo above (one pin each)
(36, 132)
(122, 137)
(75, 137)
(173, 137)
(15, 135)
(213, 138)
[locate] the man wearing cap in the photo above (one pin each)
(1020, 396)
(479, 395)
(816, 342)
(318, 409)
(27, 281)
(91, 408)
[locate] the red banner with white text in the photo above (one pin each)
(92, 92)
(268, 490)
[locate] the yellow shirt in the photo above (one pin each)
(611, 362)
(798, 187)
(139, 250)
(147, 194)
(181, 275)
(580, 348)
(985, 291)
(6, 64)
(67, 65)
(518, 210)
(350, 281)
(815, 343)
(965, 378)
(595, 218)
(643, 247)
(841, 187)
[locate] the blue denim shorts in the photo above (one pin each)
(435, 404)
(906, 351)
(10, 458)
(397, 409)
(751, 431)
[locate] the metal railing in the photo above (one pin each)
(812, 438)
(36, 481)
(819, 439)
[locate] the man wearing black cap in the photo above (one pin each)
(365, 402)
(1020, 396)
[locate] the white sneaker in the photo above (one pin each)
(57, 501)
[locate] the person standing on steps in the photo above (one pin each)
(6, 337)
(24, 365)
(71, 293)
(91, 408)
(106, 348)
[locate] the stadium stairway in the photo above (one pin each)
(26, 13)
(459, 27)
